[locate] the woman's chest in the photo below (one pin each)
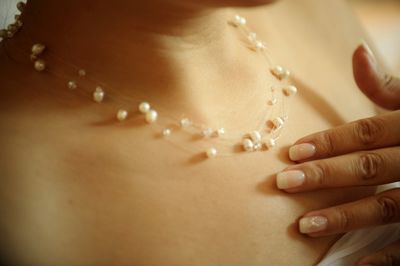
(143, 202)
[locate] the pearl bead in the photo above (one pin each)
(278, 122)
(290, 90)
(82, 72)
(252, 36)
(238, 20)
(98, 94)
(270, 143)
(40, 65)
(20, 6)
(272, 101)
(72, 85)
(255, 136)
(220, 132)
(185, 122)
(247, 144)
(38, 48)
(166, 132)
(260, 45)
(122, 114)
(144, 107)
(280, 73)
(257, 146)
(151, 116)
(211, 152)
(206, 132)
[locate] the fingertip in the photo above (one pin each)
(364, 70)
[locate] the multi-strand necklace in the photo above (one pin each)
(262, 138)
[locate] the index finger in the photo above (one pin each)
(365, 134)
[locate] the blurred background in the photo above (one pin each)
(381, 20)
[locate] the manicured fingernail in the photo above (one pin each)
(289, 179)
(312, 224)
(367, 49)
(301, 151)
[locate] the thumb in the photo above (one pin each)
(382, 89)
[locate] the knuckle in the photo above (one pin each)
(327, 142)
(322, 174)
(389, 209)
(369, 131)
(345, 218)
(369, 165)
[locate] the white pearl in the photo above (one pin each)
(257, 146)
(40, 65)
(82, 72)
(98, 94)
(248, 145)
(72, 85)
(220, 132)
(151, 116)
(206, 132)
(273, 101)
(185, 122)
(211, 152)
(38, 48)
(122, 114)
(270, 143)
(280, 73)
(255, 136)
(238, 20)
(166, 132)
(290, 90)
(144, 107)
(286, 74)
(252, 36)
(278, 122)
(260, 45)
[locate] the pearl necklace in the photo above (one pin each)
(256, 140)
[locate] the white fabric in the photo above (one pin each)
(357, 244)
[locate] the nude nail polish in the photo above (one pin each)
(312, 224)
(289, 179)
(301, 151)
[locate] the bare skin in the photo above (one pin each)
(93, 192)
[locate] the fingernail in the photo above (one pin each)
(290, 179)
(312, 224)
(301, 151)
(367, 49)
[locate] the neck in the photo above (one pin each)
(180, 56)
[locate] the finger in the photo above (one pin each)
(381, 88)
(365, 134)
(379, 209)
(390, 255)
(356, 169)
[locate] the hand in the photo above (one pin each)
(361, 153)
